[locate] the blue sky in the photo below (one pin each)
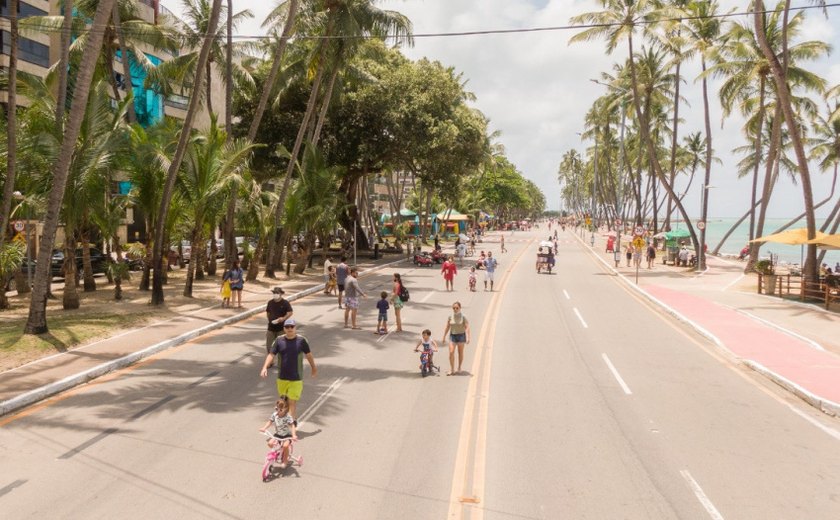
(535, 87)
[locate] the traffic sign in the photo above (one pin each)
(18, 225)
(701, 225)
(639, 243)
(639, 231)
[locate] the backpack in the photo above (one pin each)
(404, 296)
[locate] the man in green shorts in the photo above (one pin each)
(290, 349)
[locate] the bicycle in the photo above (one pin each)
(426, 367)
(275, 452)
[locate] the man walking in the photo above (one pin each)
(351, 298)
(278, 310)
(290, 349)
(489, 270)
(327, 265)
(341, 276)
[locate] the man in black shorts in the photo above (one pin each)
(341, 272)
(278, 310)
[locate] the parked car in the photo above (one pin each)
(186, 250)
(220, 248)
(97, 261)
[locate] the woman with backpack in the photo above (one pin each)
(397, 293)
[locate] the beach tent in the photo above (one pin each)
(406, 215)
(677, 234)
(827, 242)
(792, 237)
(450, 221)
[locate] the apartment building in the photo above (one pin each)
(37, 52)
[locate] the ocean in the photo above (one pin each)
(717, 227)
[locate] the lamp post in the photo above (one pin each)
(19, 196)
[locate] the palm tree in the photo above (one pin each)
(12, 255)
(64, 61)
(616, 23)
(779, 71)
(351, 19)
(211, 165)
(175, 166)
(37, 321)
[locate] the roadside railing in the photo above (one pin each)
(787, 286)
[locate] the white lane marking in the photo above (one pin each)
(813, 344)
(830, 431)
(567, 294)
(321, 400)
(382, 338)
(701, 496)
(577, 312)
(617, 375)
(733, 282)
(426, 298)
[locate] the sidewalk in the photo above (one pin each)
(794, 344)
(32, 382)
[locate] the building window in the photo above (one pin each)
(28, 50)
(177, 101)
(24, 10)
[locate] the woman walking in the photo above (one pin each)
(237, 281)
(458, 328)
(396, 289)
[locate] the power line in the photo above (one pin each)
(487, 32)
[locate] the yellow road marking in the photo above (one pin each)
(476, 404)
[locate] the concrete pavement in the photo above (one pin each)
(794, 344)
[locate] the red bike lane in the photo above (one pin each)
(815, 371)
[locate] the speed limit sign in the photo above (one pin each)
(18, 225)
(639, 231)
(701, 225)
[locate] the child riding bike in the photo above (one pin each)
(284, 428)
(429, 348)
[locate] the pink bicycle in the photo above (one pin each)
(275, 455)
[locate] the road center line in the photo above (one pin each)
(382, 338)
(565, 293)
(426, 298)
(701, 496)
(577, 312)
(617, 375)
(321, 400)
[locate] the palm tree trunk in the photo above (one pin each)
(230, 214)
(732, 229)
(126, 66)
(87, 267)
(758, 146)
(268, 88)
(11, 126)
(674, 138)
(64, 62)
(809, 270)
(37, 321)
(209, 73)
(704, 189)
(178, 157)
(816, 207)
(325, 105)
(767, 190)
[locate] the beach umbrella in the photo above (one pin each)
(826, 242)
(792, 237)
(677, 233)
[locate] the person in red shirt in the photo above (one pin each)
(449, 271)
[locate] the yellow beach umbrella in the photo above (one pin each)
(827, 242)
(793, 237)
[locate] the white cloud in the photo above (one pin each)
(535, 87)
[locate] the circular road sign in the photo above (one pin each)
(701, 225)
(18, 225)
(639, 231)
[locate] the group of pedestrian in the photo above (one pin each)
(485, 262)
(233, 281)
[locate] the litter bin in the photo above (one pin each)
(376, 251)
(671, 256)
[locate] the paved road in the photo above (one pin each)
(581, 402)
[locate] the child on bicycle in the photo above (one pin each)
(429, 345)
(284, 428)
(472, 279)
(383, 306)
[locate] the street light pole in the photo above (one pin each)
(704, 210)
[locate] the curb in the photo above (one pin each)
(824, 405)
(41, 393)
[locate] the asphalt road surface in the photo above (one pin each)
(578, 401)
